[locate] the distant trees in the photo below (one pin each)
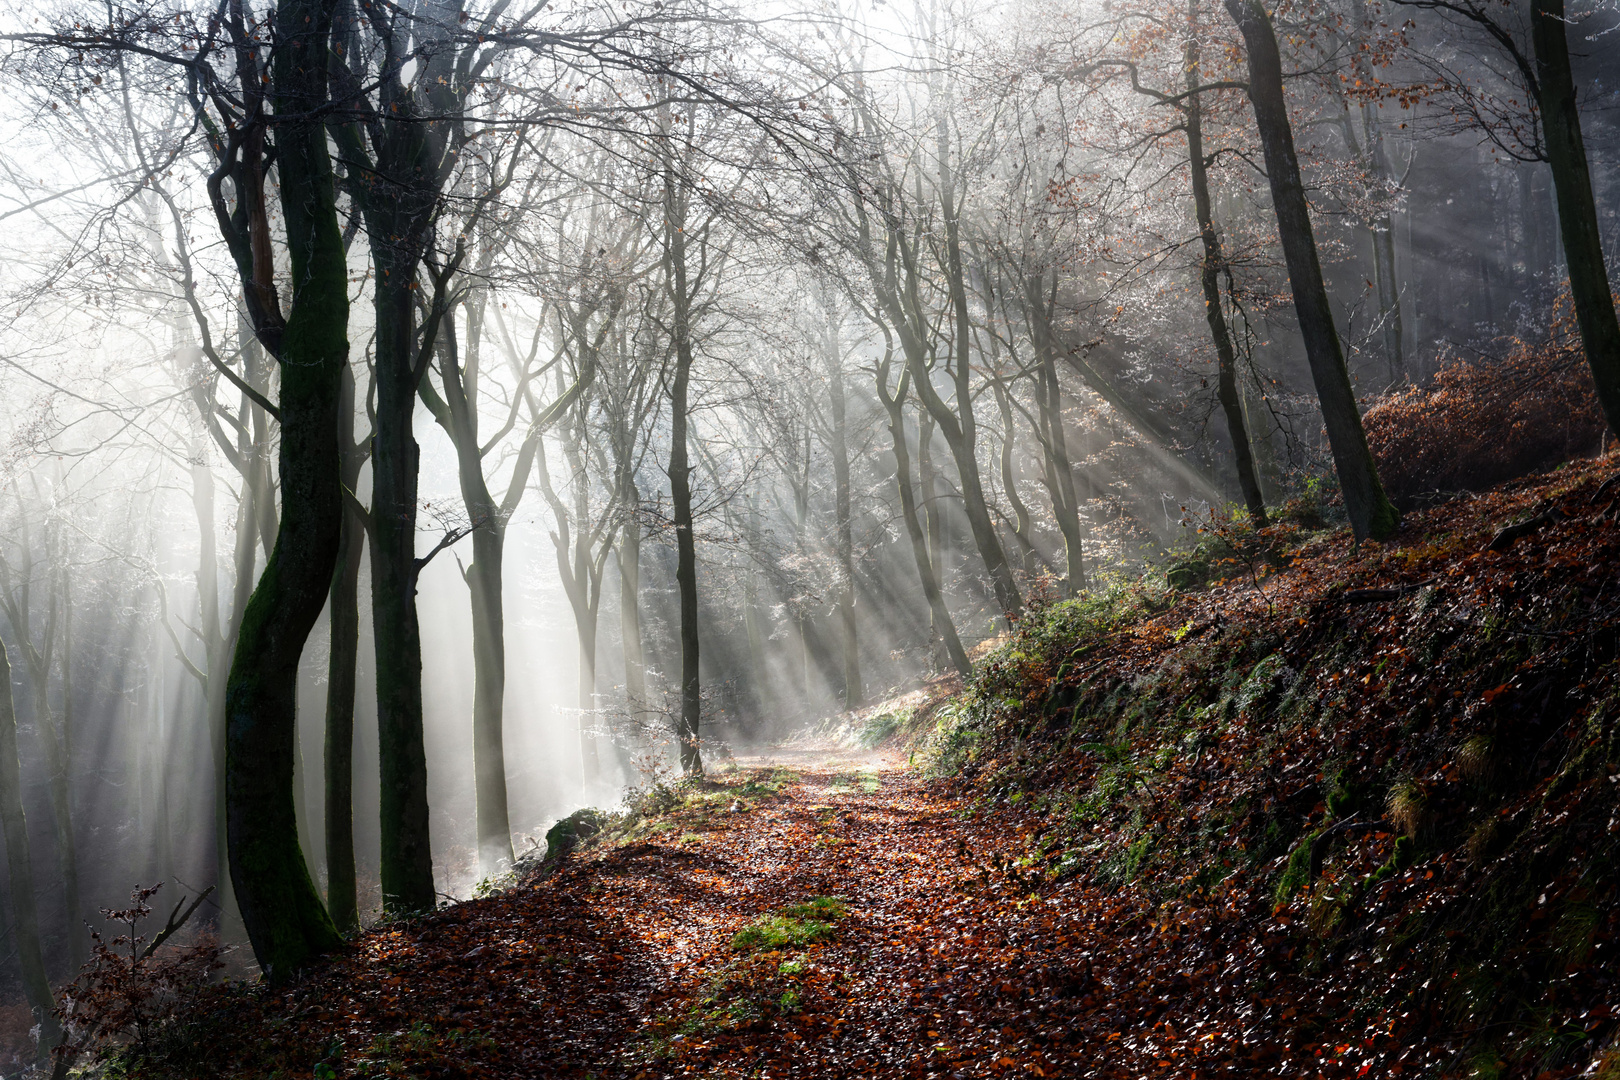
(818, 367)
(20, 868)
(1536, 117)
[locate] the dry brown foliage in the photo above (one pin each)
(1478, 424)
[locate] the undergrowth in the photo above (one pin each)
(1398, 766)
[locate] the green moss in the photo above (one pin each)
(571, 831)
(794, 926)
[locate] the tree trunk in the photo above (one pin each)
(1577, 209)
(1371, 514)
(1214, 262)
(20, 868)
(635, 657)
(282, 911)
(853, 691)
(457, 414)
(680, 476)
(407, 860)
(760, 694)
(680, 483)
(959, 428)
(77, 948)
(1039, 304)
(944, 629)
(589, 756)
(486, 583)
(1023, 531)
(344, 613)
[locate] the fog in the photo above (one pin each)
(626, 239)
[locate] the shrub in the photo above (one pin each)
(1481, 424)
(134, 986)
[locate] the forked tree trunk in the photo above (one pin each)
(944, 630)
(1040, 304)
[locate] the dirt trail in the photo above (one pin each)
(947, 962)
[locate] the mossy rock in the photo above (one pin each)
(1187, 574)
(572, 831)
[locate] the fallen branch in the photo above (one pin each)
(1511, 534)
(1373, 596)
(176, 921)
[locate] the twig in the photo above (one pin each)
(176, 921)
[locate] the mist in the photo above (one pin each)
(667, 380)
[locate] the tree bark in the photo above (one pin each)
(1371, 514)
(456, 412)
(635, 657)
(344, 612)
(959, 428)
(1577, 209)
(944, 629)
(1209, 276)
(20, 871)
(680, 483)
(407, 860)
(1039, 302)
(680, 470)
(854, 693)
(281, 909)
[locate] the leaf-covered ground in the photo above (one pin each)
(1351, 813)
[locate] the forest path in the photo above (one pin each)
(946, 960)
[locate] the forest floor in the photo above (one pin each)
(912, 955)
(1320, 810)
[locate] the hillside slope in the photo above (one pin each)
(1350, 813)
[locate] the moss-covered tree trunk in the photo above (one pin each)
(1371, 513)
(283, 914)
(1577, 209)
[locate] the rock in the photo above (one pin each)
(572, 831)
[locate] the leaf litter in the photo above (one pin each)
(1286, 861)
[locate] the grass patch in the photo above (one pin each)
(793, 927)
(864, 780)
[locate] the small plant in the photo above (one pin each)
(1409, 808)
(133, 985)
(879, 729)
